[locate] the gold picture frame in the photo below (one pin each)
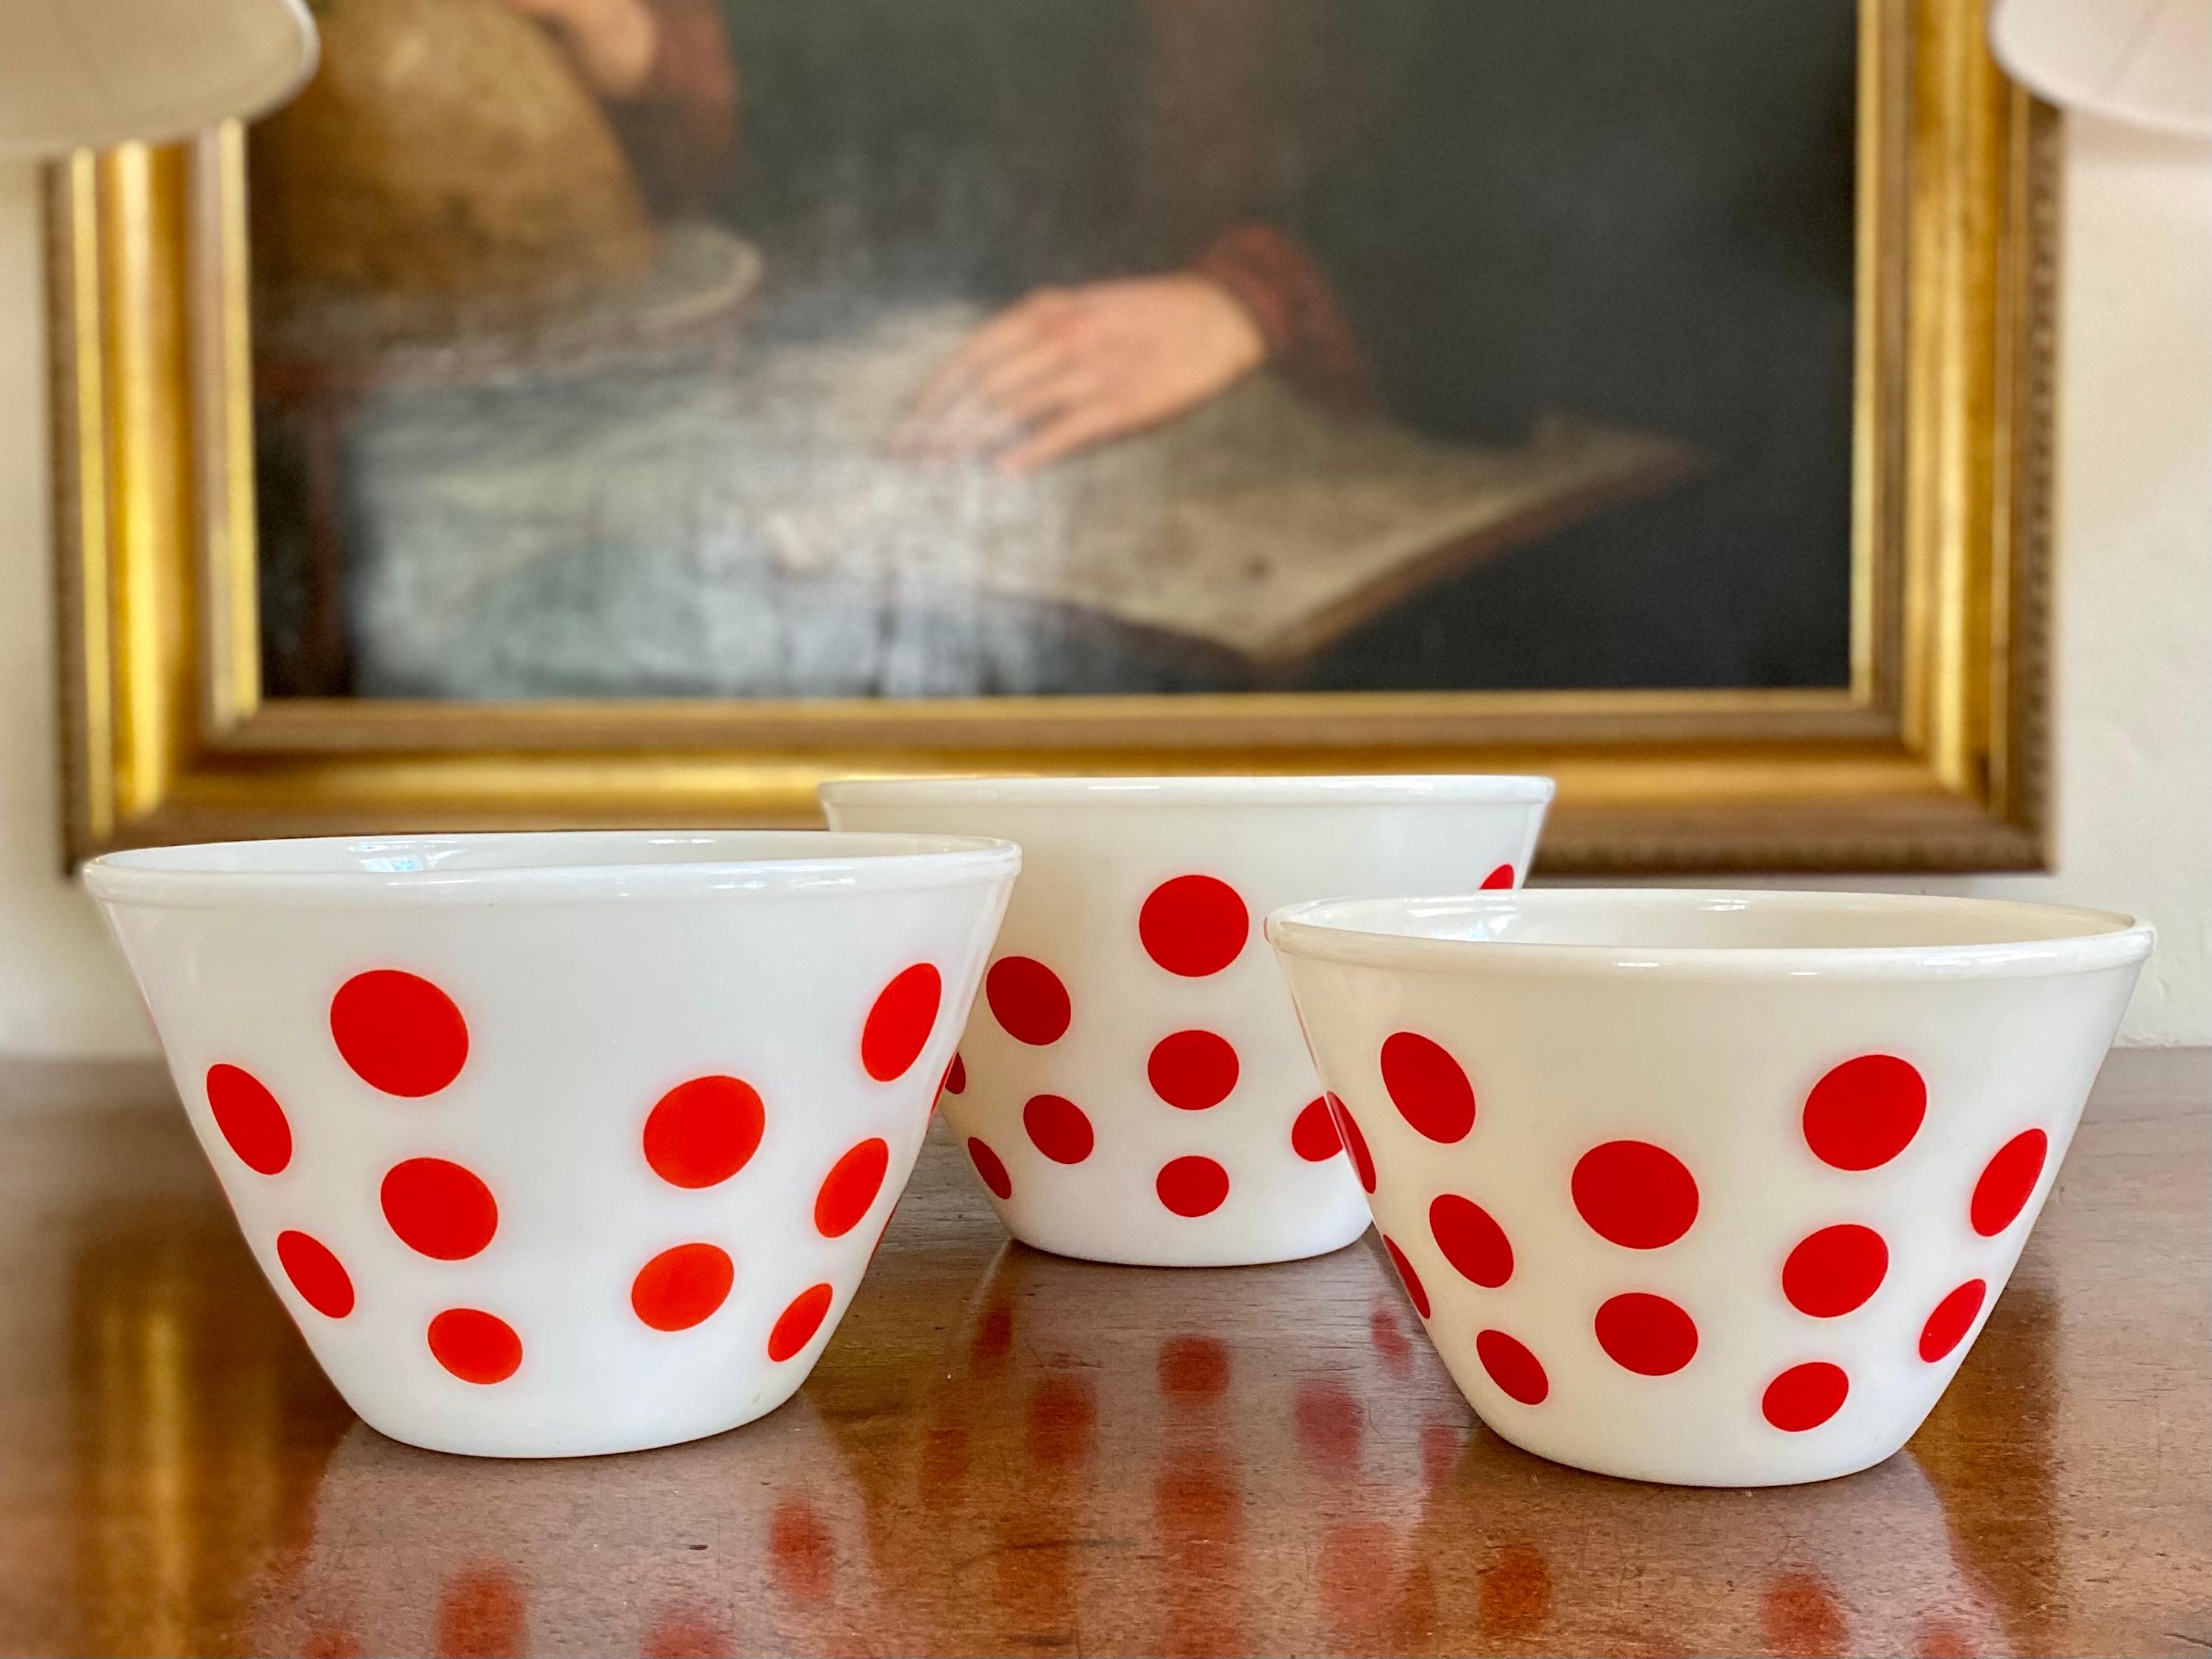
(1933, 758)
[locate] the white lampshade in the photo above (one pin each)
(2145, 61)
(100, 72)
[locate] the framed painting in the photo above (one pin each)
(635, 412)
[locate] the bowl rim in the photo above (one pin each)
(1224, 789)
(207, 874)
(1344, 930)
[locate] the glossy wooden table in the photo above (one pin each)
(1005, 1452)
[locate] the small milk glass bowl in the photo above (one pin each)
(1708, 1187)
(560, 1144)
(1132, 1087)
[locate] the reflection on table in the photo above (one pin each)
(1004, 1451)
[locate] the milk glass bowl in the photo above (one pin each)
(556, 1144)
(1709, 1188)
(1132, 1087)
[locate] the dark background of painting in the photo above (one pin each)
(1637, 213)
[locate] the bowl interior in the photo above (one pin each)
(543, 864)
(1663, 920)
(542, 850)
(1192, 791)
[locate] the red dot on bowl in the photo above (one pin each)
(1427, 1086)
(1864, 1112)
(1028, 1000)
(796, 1325)
(851, 1187)
(253, 1124)
(1512, 1367)
(1835, 1270)
(898, 1025)
(1953, 1316)
(682, 1287)
(1501, 877)
(475, 1346)
(2001, 1193)
(1057, 1128)
(319, 1276)
(703, 1132)
(1805, 1396)
(956, 1076)
(1471, 1240)
(1314, 1135)
(1634, 1193)
(1193, 926)
(992, 1168)
(1192, 1186)
(1412, 1280)
(1347, 1127)
(1645, 1333)
(1191, 1070)
(438, 1208)
(400, 1033)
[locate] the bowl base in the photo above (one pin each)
(1224, 1254)
(525, 1444)
(1740, 1477)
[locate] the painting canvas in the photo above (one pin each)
(798, 349)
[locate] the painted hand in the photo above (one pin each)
(1066, 369)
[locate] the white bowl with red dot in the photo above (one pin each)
(1132, 1087)
(1708, 1187)
(560, 1144)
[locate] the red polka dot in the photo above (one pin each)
(1634, 1194)
(438, 1208)
(1193, 1186)
(1330, 1422)
(1645, 1333)
(320, 1277)
(1501, 877)
(1389, 1341)
(1864, 1112)
(1058, 1129)
(1799, 1619)
(252, 1122)
(992, 1168)
(956, 1076)
(475, 1346)
(1412, 1280)
(899, 1024)
(1472, 1242)
(1193, 926)
(483, 1614)
(1953, 1317)
(801, 1551)
(796, 1325)
(703, 1132)
(2001, 1193)
(1347, 1127)
(1028, 1000)
(1314, 1134)
(680, 1287)
(1427, 1086)
(1193, 1367)
(1805, 1396)
(1512, 1367)
(1835, 1270)
(850, 1187)
(400, 1033)
(1191, 1070)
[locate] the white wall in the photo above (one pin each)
(63, 990)
(2134, 627)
